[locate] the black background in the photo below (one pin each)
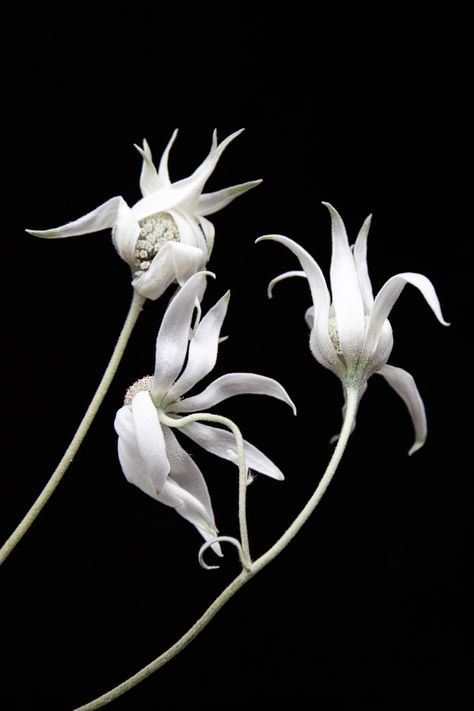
(372, 600)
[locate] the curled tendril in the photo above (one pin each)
(224, 539)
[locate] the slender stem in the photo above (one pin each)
(218, 419)
(132, 316)
(245, 575)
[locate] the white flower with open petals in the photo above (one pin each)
(166, 236)
(150, 455)
(351, 335)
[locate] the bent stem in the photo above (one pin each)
(132, 316)
(218, 419)
(245, 575)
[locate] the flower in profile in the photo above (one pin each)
(166, 236)
(351, 334)
(149, 452)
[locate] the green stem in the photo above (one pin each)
(218, 419)
(132, 316)
(245, 575)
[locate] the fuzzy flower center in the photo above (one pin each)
(334, 335)
(145, 384)
(155, 231)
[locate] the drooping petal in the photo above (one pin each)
(405, 386)
(125, 234)
(281, 277)
(202, 349)
(213, 202)
(222, 443)
(149, 181)
(132, 466)
(101, 218)
(187, 474)
(320, 296)
(387, 297)
(188, 507)
(346, 295)
(234, 384)
(360, 258)
(175, 262)
(173, 336)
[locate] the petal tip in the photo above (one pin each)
(415, 447)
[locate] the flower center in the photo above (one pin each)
(145, 384)
(155, 231)
(334, 335)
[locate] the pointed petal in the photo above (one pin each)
(321, 343)
(175, 262)
(360, 258)
(281, 277)
(149, 182)
(209, 232)
(101, 218)
(187, 474)
(188, 507)
(142, 450)
(163, 174)
(125, 234)
(172, 341)
(202, 349)
(234, 384)
(387, 297)
(405, 386)
(222, 443)
(346, 296)
(213, 202)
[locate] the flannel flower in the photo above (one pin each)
(149, 452)
(165, 237)
(351, 335)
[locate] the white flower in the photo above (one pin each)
(165, 237)
(351, 335)
(150, 455)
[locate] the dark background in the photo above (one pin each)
(373, 598)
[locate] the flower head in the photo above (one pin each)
(149, 452)
(350, 333)
(165, 237)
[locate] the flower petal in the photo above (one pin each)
(175, 262)
(281, 277)
(101, 218)
(130, 460)
(189, 230)
(346, 295)
(360, 258)
(189, 507)
(173, 336)
(387, 297)
(163, 174)
(213, 202)
(222, 443)
(187, 474)
(234, 384)
(320, 295)
(405, 386)
(149, 181)
(209, 232)
(202, 349)
(125, 234)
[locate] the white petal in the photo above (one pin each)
(187, 474)
(101, 218)
(213, 202)
(387, 297)
(234, 384)
(150, 440)
(130, 460)
(209, 231)
(163, 174)
(172, 341)
(320, 296)
(309, 317)
(405, 386)
(281, 277)
(189, 230)
(222, 443)
(189, 507)
(149, 182)
(346, 295)
(175, 262)
(125, 234)
(360, 258)
(202, 349)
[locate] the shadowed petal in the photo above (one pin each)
(188, 507)
(405, 386)
(234, 384)
(360, 258)
(346, 296)
(101, 218)
(222, 443)
(175, 262)
(173, 336)
(202, 349)
(130, 460)
(213, 202)
(125, 234)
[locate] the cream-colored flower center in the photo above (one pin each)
(145, 384)
(155, 231)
